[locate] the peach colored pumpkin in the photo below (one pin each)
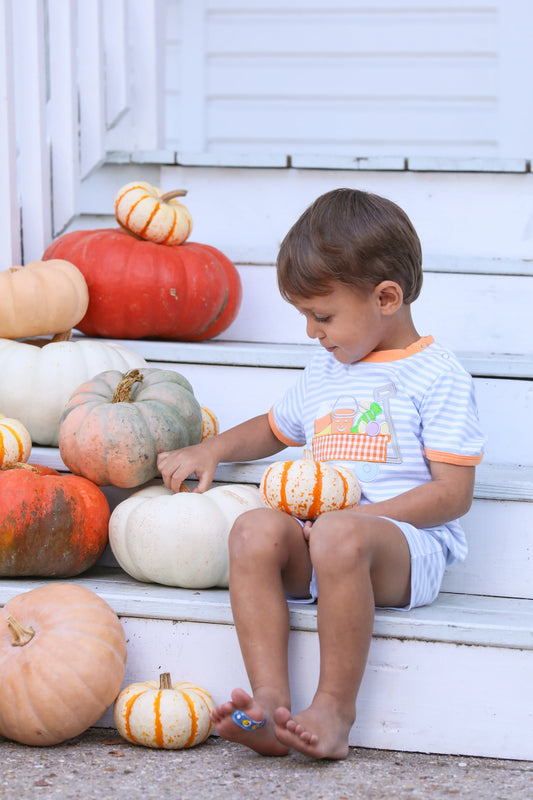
(62, 662)
(306, 488)
(44, 297)
(15, 442)
(150, 214)
(114, 426)
(163, 714)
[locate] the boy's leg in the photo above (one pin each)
(360, 562)
(268, 557)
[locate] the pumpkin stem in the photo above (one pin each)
(122, 393)
(21, 636)
(62, 337)
(307, 453)
(20, 465)
(164, 681)
(169, 195)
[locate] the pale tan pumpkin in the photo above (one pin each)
(306, 488)
(15, 442)
(42, 298)
(62, 662)
(151, 214)
(163, 714)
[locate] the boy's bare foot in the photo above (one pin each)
(318, 731)
(262, 740)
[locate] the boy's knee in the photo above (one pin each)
(339, 539)
(253, 532)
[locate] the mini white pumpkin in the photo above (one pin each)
(163, 714)
(37, 381)
(179, 539)
(15, 442)
(307, 488)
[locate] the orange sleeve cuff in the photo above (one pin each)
(453, 458)
(279, 435)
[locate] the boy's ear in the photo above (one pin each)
(389, 295)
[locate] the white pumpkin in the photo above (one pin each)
(179, 539)
(37, 382)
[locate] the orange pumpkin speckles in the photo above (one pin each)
(306, 488)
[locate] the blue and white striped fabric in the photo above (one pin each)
(386, 417)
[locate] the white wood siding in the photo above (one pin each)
(352, 77)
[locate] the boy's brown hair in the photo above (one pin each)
(353, 237)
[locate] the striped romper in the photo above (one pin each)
(386, 417)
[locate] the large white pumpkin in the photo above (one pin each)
(36, 382)
(179, 539)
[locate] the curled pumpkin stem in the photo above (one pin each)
(170, 195)
(21, 635)
(164, 681)
(122, 393)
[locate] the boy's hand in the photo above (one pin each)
(176, 465)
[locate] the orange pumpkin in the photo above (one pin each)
(140, 290)
(51, 525)
(62, 662)
(306, 488)
(145, 211)
(166, 715)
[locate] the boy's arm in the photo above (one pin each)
(446, 497)
(245, 442)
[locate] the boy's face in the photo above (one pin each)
(347, 321)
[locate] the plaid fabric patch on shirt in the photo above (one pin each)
(351, 447)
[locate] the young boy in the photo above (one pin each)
(397, 409)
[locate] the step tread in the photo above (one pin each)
(296, 356)
(453, 618)
(493, 481)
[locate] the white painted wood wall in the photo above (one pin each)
(252, 82)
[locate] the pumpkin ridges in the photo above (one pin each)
(35, 677)
(50, 524)
(156, 303)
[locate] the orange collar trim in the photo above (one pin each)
(381, 356)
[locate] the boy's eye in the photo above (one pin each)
(321, 319)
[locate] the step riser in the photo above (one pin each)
(415, 696)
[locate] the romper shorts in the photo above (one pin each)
(428, 562)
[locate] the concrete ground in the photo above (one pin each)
(100, 764)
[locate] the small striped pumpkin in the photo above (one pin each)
(306, 488)
(15, 442)
(210, 426)
(145, 211)
(166, 715)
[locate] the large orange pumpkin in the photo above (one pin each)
(139, 289)
(62, 662)
(51, 525)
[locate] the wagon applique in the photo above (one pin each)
(361, 432)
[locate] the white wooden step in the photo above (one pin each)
(454, 677)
